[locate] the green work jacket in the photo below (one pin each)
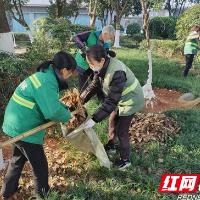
(132, 98)
(34, 102)
(92, 40)
(191, 46)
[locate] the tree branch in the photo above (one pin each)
(16, 8)
(95, 8)
(113, 5)
(21, 13)
(123, 9)
(10, 10)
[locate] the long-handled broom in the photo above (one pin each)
(79, 111)
(190, 104)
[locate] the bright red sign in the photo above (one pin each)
(179, 183)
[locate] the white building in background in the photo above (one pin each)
(38, 8)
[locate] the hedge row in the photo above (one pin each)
(168, 48)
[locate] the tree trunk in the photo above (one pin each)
(20, 19)
(117, 34)
(169, 7)
(105, 19)
(6, 44)
(6, 40)
(111, 13)
(75, 16)
(92, 21)
(93, 13)
(58, 8)
(147, 88)
(30, 35)
(119, 9)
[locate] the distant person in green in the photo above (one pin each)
(191, 47)
(87, 39)
(35, 102)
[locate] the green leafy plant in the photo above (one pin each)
(186, 21)
(167, 48)
(21, 37)
(137, 38)
(133, 28)
(162, 28)
(58, 31)
(13, 69)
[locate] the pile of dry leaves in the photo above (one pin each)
(150, 126)
(63, 169)
(71, 99)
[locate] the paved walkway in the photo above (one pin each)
(20, 51)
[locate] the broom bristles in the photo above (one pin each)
(190, 104)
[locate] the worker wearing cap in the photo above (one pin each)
(35, 102)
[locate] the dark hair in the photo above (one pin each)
(97, 52)
(61, 60)
(196, 28)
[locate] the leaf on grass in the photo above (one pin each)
(151, 127)
(128, 180)
(149, 170)
(160, 160)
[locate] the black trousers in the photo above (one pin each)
(83, 83)
(189, 60)
(22, 152)
(119, 127)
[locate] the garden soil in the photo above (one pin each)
(165, 100)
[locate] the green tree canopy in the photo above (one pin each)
(187, 21)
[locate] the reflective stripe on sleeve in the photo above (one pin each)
(22, 101)
(132, 87)
(126, 103)
(192, 43)
(35, 81)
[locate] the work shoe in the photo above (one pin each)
(5, 198)
(123, 163)
(110, 149)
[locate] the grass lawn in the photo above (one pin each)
(179, 154)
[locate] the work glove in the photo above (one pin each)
(90, 123)
(63, 129)
(83, 54)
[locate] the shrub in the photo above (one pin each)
(168, 48)
(137, 38)
(187, 21)
(133, 28)
(78, 28)
(162, 28)
(13, 69)
(121, 27)
(21, 37)
(60, 30)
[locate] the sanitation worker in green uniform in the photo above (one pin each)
(124, 97)
(35, 102)
(87, 39)
(190, 48)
